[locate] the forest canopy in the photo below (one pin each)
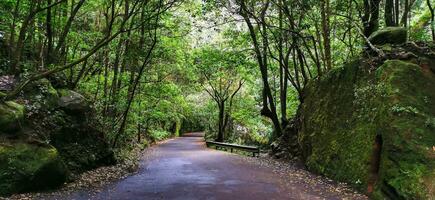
(344, 87)
(157, 66)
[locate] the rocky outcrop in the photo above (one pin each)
(11, 114)
(80, 144)
(48, 137)
(373, 127)
(41, 95)
(28, 167)
(286, 146)
(389, 35)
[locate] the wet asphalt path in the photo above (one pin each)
(184, 169)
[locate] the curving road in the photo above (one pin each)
(183, 168)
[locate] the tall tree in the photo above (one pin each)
(222, 74)
(370, 17)
(261, 50)
(326, 12)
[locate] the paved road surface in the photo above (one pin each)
(184, 169)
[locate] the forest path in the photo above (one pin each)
(183, 168)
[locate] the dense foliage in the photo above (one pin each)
(152, 69)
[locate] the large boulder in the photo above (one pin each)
(62, 119)
(72, 101)
(11, 115)
(82, 146)
(373, 129)
(75, 136)
(28, 167)
(389, 35)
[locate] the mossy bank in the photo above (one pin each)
(47, 137)
(373, 126)
(27, 167)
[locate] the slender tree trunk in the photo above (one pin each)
(114, 88)
(221, 126)
(325, 12)
(138, 133)
(135, 84)
(283, 76)
(396, 12)
(49, 32)
(13, 27)
(19, 44)
(269, 108)
(432, 20)
(59, 50)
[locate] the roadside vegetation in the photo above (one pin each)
(85, 84)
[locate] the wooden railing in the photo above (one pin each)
(225, 146)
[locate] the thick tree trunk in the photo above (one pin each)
(404, 20)
(389, 13)
(371, 16)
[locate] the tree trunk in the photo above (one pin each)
(221, 121)
(396, 12)
(48, 53)
(269, 108)
(59, 50)
(139, 133)
(371, 16)
(389, 13)
(404, 20)
(325, 11)
(283, 76)
(432, 22)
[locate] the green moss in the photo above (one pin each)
(63, 92)
(177, 127)
(389, 35)
(41, 94)
(11, 114)
(81, 146)
(25, 167)
(345, 111)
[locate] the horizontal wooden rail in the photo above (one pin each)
(254, 150)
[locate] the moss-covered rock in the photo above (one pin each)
(389, 35)
(76, 144)
(79, 143)
(82, 147)
(11, 114)
(41, 94)
(27, 167)
(72, 102)
(375, 130)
